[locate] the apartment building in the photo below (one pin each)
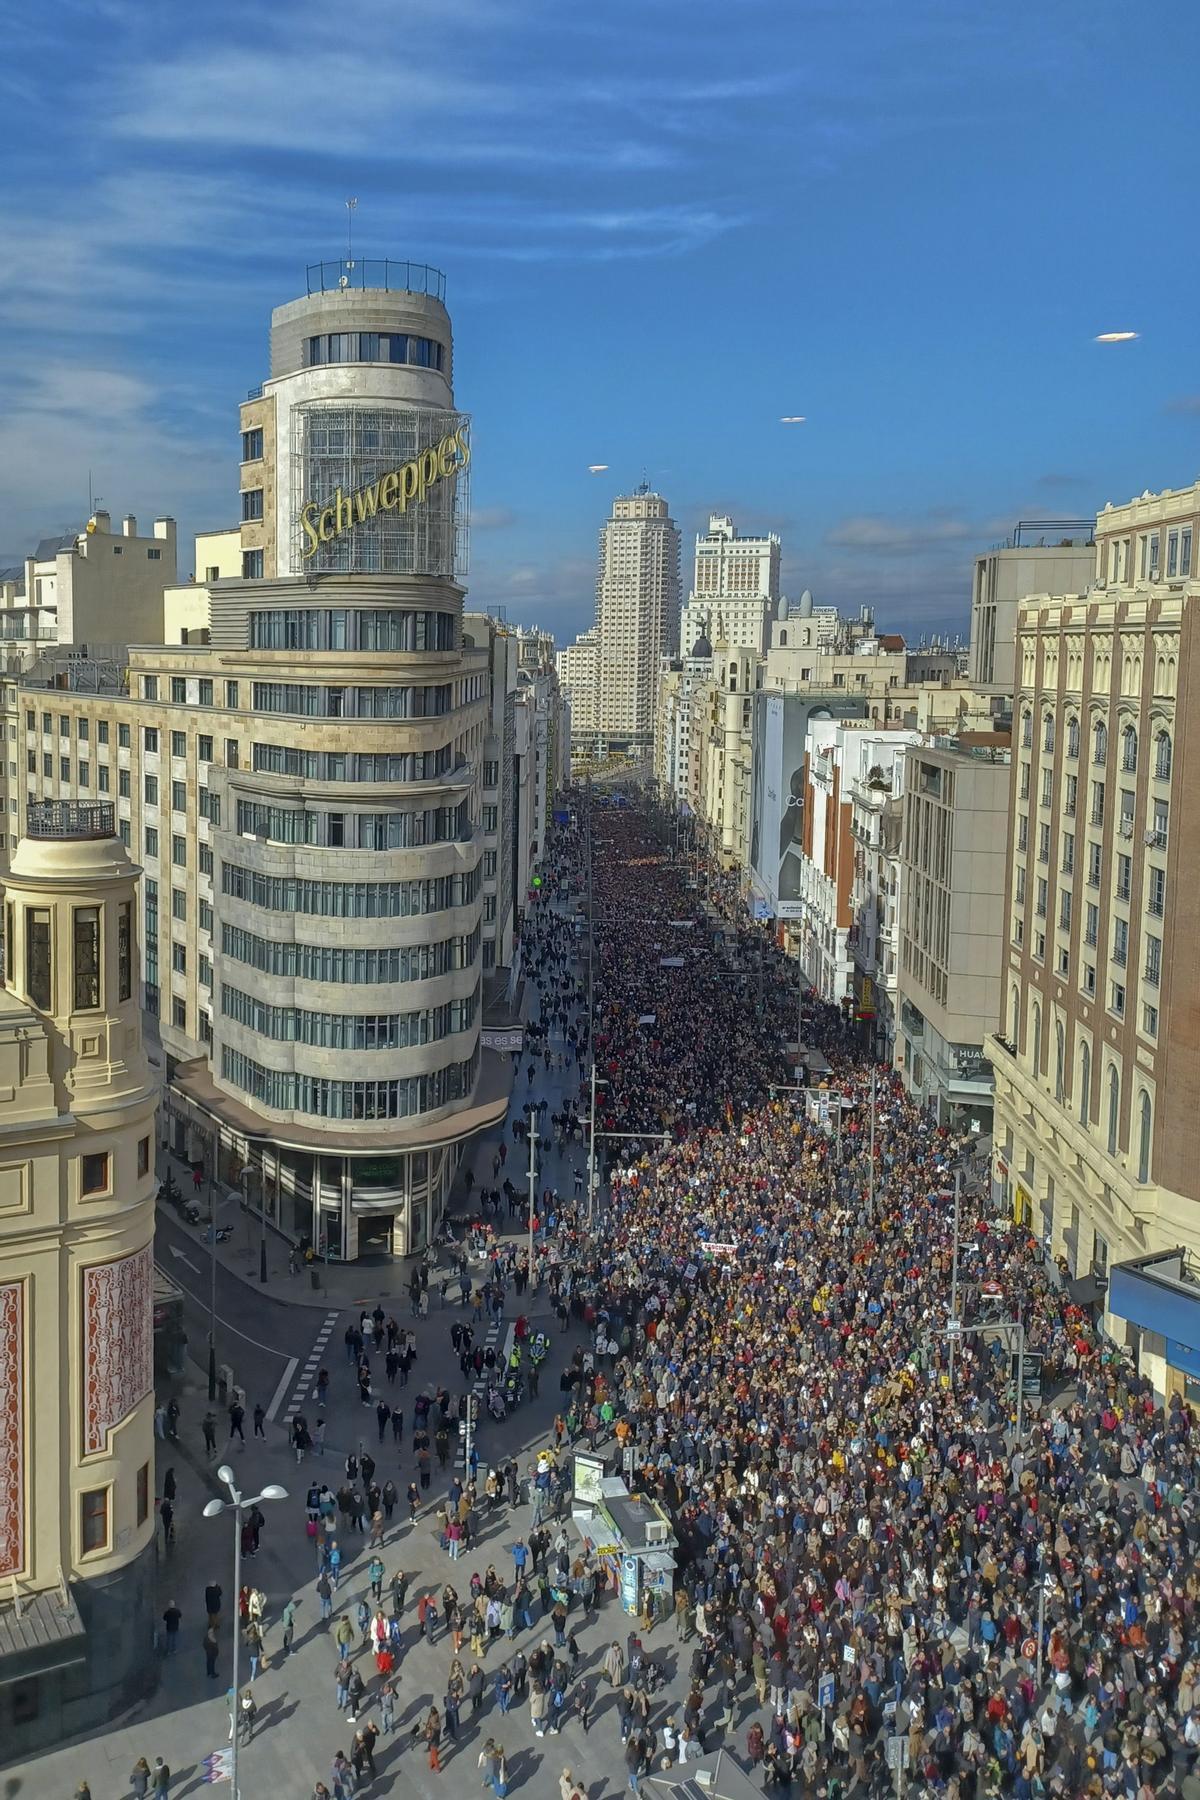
(952, 881)
(1097, 1060)
(1001, 579)
(876, 825)
(305, 792)
(637, 612)
(736, 579)
(90, 586)
(499, 799)
(578, 673)
(720, 717)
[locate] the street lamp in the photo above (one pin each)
(237, 1505)
(244, 1174)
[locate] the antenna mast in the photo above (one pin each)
(350, 206)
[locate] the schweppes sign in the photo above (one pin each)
(394, 492)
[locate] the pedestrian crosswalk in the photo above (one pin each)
(306, 1386)
(478, 1391)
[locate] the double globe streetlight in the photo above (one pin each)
(238, 1505)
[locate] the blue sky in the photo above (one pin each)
(663, 226)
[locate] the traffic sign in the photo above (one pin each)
(826, 1690)
(1029, 1649)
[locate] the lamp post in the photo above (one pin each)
(237, 1504)
(244, 1174)
(596, 1082)
(533, 1138)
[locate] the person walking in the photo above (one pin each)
(162, 1779)
(139, 1778)
(432, 1734)
(171, 1620)
(212, 1649)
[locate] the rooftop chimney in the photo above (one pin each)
(129, 525)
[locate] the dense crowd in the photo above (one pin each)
(866, 1544)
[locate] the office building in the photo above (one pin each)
(736, 580)
(1004, 576)
(952, 879)
(77, 1189)
(304, 790)
(578, 667)
(721, 720)
(1097, 1059)
(637, 609)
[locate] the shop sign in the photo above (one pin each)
(393, 492)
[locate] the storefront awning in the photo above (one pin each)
(1088, 1290)
(44, 1632)
(1157, 1293)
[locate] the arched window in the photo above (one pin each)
(1060, 1062)
(1129, 748)
(783, 640)
(1014, 1025)
(1145, 1120)
(1048, 732)
(1072, 737)
(1114, 1107)
(1085, 1084)
(1027, 729)
(1035, 1038)
(1100, 742)
(1162, 756)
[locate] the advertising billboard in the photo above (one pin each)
(777, 825)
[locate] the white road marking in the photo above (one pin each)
(305, 1387)
(180, 1257)
(281, 1388)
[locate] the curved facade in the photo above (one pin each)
(77, 1187)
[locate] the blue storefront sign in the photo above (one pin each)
(1155, 1293)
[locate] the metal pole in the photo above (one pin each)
(470, 1424)
(1041, 1625)
(1020, 1379)
(237, 1588)
(532, 1193)
(954, 1272)
(212, 1304)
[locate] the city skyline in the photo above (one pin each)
(897, 206)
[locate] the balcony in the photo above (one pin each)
(63, 819)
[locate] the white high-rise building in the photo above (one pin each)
(577, 670)
(637, 606)
(736, 582)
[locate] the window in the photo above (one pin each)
(150, 789)
(143, 1156)
(178, 743)
(205, 971)
(153, 555)
(204, 691)
(1019, 887)
(231, 693)
(1091, 929)
(1022, 832)
(47, 722)
(1047, 787)
(150, 739)
(1043, 843)
(178, 903)
(1162, 757)
(179, 958)
(1116, 1000)
(1156, 891)
(1185, 550)
(490, 815)
(252, 503)
(1064, 910)
(178, 796)
(1129, 749)
(102, 778)
(81, 730)
(123, 831)
(1114, 1108)
(1150, 1020)
(204, 748)
(179, 851)
(93, 1520)
(85, 774)
(179, 1014)
(489, 865)
(252, 445)
(252, 565)
(1124, 877)
(48, 766)
(491, 774)
(205, 859)
(1097, 803)
(123, 783)
(1068, 852)
(1154, 542)
(87, 957)
(151, 841)
(1159, 829)
(149, 687)
(1145, 1118)
(93, 1172)
(1100, 742)
(1026, 730)
(143, 1493)
(1060, 1061)
(1089, 979)
(1073, 737)
(1023, 790)
(122, 737)
(102, 732)
(31, 762)
(1120, 949)
(64, 768)
(1048, 732)
(1085, 1083)
(178, 690)
(1153, 960)
(37, 956)
(1042, 892)
(232, 753)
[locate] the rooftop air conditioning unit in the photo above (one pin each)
(657, 1531)
(1125, 828)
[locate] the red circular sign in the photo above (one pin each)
(1029, 1649)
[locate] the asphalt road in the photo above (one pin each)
(258, 1336)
